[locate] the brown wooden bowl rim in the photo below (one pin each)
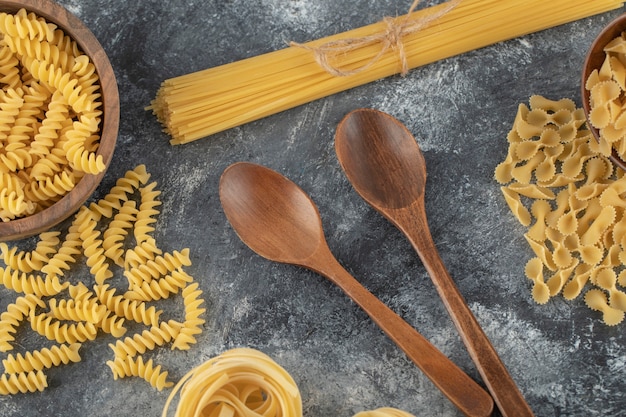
(71, 202)
(593, 60)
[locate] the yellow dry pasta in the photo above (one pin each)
(14, 315)
(559, 183)
(193, 322)
(49, 114)
(196, 105)
(73, 313)
(23, 382)
(607, 90)
(148, 339)
(129, 366)
(243, 382)
(384, 412)
(38, 360)
(137, 311)
(55, 330)
(239, 380)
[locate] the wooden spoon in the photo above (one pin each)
(279, 221)
(383, 162)
(593, 61)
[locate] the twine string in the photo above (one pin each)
(391, 38)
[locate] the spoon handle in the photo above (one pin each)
(455, 384)
(413, 223)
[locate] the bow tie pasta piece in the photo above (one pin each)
(607, 87)
(597, 300)
(534, 272)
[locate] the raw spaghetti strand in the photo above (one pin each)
(202, 103)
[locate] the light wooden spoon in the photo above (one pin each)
(279, 221)
(383, 162)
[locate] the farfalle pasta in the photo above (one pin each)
(69, 314)
(561, 185)
(607, 91)
(50, 114)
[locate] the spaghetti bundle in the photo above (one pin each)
(202, 103)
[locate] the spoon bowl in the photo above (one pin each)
(593, 61)
(279, 221)
(296, 227)
(382, 160)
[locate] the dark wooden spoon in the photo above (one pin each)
(593, 60)
(279, 221)
(383, 162)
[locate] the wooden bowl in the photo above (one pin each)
(71, 202)
(594, 59)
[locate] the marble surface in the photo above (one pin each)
(565, 360)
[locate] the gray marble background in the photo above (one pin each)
(565, 360)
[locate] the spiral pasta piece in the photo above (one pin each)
(34, 260)
(56, 78)
(141, 254)
(55, 117)
(13, 316)
(26, 26)
(114, 236)
(79, 157)
(130, 309)
(52, 329)
(113, 325)
(67, 254)
(14, 204)
(9, 71)
(38, 360)
(92, 247)
(161, 288)
(84, 310)
(193, 322)
(147, 212)
(157, 267)
(49, 165)
(51, 188)
(31, 284)
(129, 366)
(147, 340)
(120, 193)
(242, 380)
(22, 382)
(10, 103)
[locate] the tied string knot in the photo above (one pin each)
(391, 38)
